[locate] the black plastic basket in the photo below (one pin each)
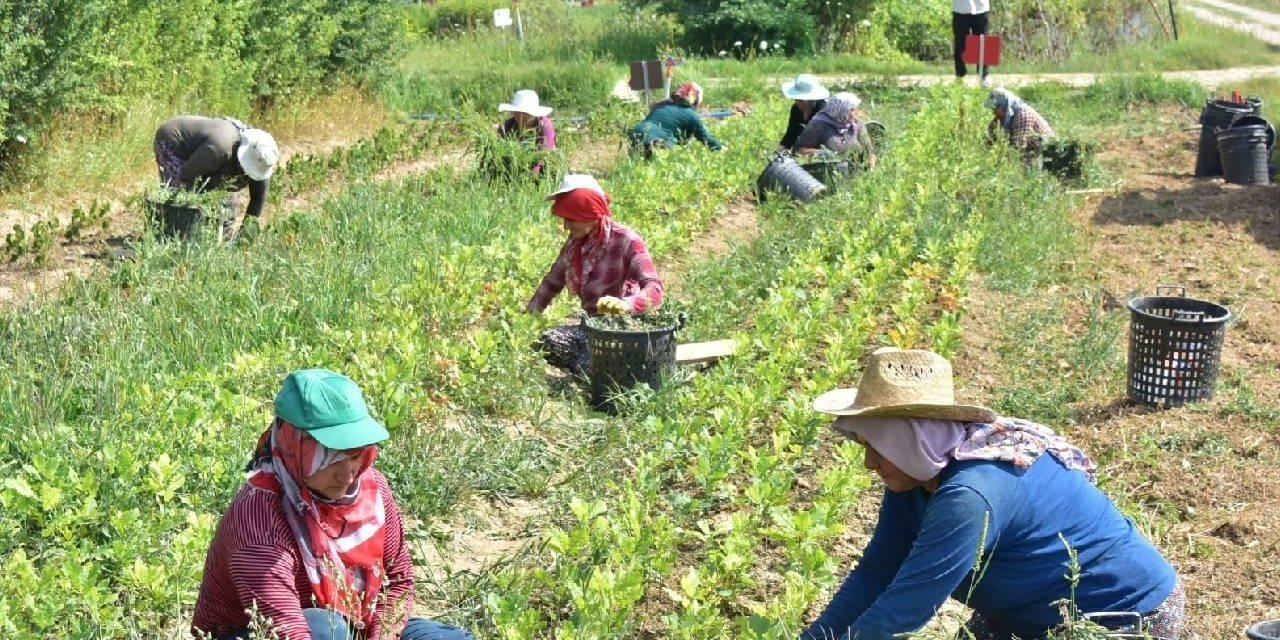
(784, 175)
(1175, 347)
(621, 359)
(172, 220)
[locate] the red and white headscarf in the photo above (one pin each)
(340, 541)
(690, 93)
(583, 205)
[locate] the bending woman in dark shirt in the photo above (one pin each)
(984, 509)
(198, 153)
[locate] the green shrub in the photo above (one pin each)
(742, 26)
(71, 56)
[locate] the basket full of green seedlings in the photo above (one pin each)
(181, 213)
(630, 349)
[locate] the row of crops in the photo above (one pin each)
(706, 510)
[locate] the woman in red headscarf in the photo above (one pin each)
(606, 264)
(313, 542)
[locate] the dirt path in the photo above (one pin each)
(1205, 476)
(1245, 21)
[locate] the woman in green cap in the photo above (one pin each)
(314, 541)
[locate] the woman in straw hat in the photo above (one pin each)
(809, 98)
(199, 153)
(674, 121)
(530, 121)
(314, 542)
(605, 263)
(985, 509)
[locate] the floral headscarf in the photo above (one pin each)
(923, 447)
(340, 541)
(840, 106)
(689, 93)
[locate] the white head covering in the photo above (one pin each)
(806, 86)
(257, 154)
(841, 105)
(525, 101)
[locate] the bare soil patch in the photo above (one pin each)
(739, 224)
(1205, 477)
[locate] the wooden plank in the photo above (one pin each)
(704, 352)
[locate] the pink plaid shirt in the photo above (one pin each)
(615, 263)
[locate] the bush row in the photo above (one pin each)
(901, 28)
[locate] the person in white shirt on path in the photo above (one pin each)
(968, 17)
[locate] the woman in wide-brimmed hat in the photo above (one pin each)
(984, 509)
(809, 98)
(605, 263)
(674, 121)
(530, 121)
(313, 542)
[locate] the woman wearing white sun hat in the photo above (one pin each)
(200, 153)
(970, 492)
(810, 98)
(529, 121)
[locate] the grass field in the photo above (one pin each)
(717, 507)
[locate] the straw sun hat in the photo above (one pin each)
(903, 383)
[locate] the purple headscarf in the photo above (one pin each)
(922, 447)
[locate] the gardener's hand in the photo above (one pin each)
(612, 306)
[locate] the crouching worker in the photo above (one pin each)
(969, 492)
(198, 153)
(606, 264)
(672, 122)
(530, 122)
(314, 541)
(1026, 129)
(836, 129)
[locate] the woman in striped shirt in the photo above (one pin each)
(313, 544)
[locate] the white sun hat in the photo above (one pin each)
(577, 181)
(257, 154)
(525, 101)
(806, 86)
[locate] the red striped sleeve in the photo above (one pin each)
(253, 558)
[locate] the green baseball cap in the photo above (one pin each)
(330, 408)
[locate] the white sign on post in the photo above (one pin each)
(502, 18)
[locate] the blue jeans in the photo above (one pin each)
(330, 625)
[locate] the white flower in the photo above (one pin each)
(865, 22)
(723, 53)
(764, 45)
(737, 43)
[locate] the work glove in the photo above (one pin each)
(612, 306)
